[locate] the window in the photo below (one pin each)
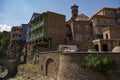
(104, 22)
(106, 13)
(106, 36)
(87, 37)
(78, 27)
(98, 31)
(98, 21)
(79, 37)
(111, 21)
(87, 27)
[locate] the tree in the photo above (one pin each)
(4, 42)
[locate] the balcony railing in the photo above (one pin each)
(41, 25)
(16, 38)
(41, 36)
(105, 24)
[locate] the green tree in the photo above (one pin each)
(4, 42)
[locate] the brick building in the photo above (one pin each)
(106, 25)
(106, 17)
(15, 41)
(47, 30)
(81, 30)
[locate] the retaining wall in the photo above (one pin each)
(69, 66)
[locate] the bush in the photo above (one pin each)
(35, 66)
(29, 66)
(101, 64)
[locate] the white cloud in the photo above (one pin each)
(4, 27)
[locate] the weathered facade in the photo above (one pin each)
(81, 30)
(16, 42)
(69, 66)
(49, 28)
(106, 25)
(47, 31)
(106, 17)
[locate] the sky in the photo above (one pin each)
(17, 12)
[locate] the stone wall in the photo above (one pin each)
(11, 66)
(69, 66)
(49, 64)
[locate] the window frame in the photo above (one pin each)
(79, 37)
(78, 27)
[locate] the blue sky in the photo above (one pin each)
(16, 12)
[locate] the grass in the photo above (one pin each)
(29, 66)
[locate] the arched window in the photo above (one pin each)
(96, 47)
(106, 36)
(105, 47)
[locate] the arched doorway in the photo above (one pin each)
(105, 47)
(50, 68)
(96, 47)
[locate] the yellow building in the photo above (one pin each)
(106, 26)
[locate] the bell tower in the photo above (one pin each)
(74, 11)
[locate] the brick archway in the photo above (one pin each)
(96, 47)
(50, 68)
(105, 47)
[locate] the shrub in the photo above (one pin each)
(101, 64)
(35, 66)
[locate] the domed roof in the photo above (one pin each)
(116, 49)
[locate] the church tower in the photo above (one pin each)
(74, 11)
